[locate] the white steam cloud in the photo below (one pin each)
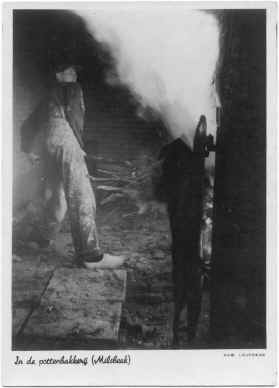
(166, 57)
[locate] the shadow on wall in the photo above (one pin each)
(25, 176)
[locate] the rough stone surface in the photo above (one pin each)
(95, 320)
(30, 277)
(19, 316)
(73, 284)
(79, 302)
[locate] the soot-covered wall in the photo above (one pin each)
(113, 129)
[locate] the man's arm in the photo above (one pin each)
(82, 101)
(74, 110)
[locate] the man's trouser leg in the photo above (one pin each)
(65, 154)
(55, 205)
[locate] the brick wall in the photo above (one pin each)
(113, 127)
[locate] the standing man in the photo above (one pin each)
(183, 178)
(53, 134)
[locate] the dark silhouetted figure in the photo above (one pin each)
(183, 178)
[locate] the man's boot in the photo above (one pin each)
(107, 261)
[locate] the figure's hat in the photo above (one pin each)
(59, 67)
(60, 61)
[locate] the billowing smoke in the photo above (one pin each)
(166, 57)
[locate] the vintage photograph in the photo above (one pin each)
(139, 178)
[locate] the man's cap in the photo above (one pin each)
(61, 60)
(59, 67)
